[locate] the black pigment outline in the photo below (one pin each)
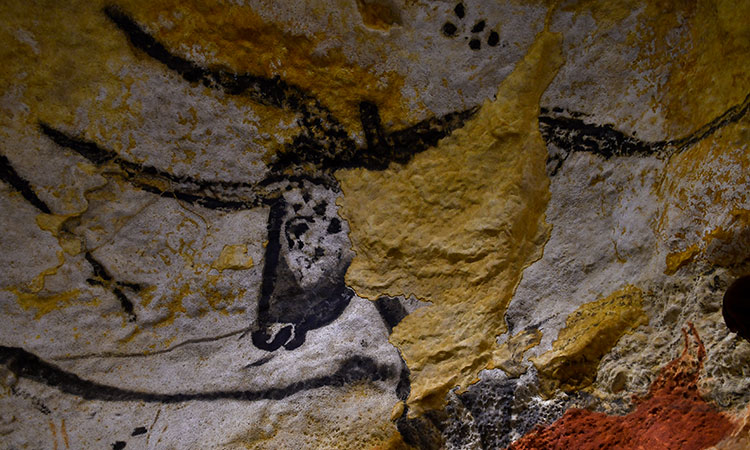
(321, 304)
(393, 312)
(316, 120)
(29, 366)
(102, 277)
(138, 431)
(326, 146)
(323, 142)
(10, 176)
(572, 134)
(148, 178)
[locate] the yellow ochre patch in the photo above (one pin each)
(67, 61)
(457, 226)
(233, 257)
(239, 39)
(708, 183)
(589, 334)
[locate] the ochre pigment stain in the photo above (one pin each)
(589, 334)
(242, 41)
(672, 416)
(713, 69)
(68, 61)
(457, 226)
(709, 182)
(233, 257)
(704, 78)
(82, 65)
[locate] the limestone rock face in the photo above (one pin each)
(374, 224)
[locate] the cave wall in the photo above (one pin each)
(374, 224)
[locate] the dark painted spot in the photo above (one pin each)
(478, 27)
(138, 431)
(119, 445)
(460, 11)
(294, 229)
(299, 228)
(320, 208)
(736, 307)
(449, 29)
(319, 252)
(475, 44)
(335, 226)
(493, 39)
(715, 284)
(125, 303)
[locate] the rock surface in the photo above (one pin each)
(374, 224)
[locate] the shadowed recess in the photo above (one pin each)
(736, 307)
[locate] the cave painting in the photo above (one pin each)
(309, 273)
(307, 164)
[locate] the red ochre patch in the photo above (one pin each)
(671, 416)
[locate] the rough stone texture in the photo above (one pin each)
(590, 333)
(458, 238)
(374, 224)
(671, 416)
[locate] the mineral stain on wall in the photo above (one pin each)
(589, 334)
(456, 226)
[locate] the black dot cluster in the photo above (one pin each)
(475, 43)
